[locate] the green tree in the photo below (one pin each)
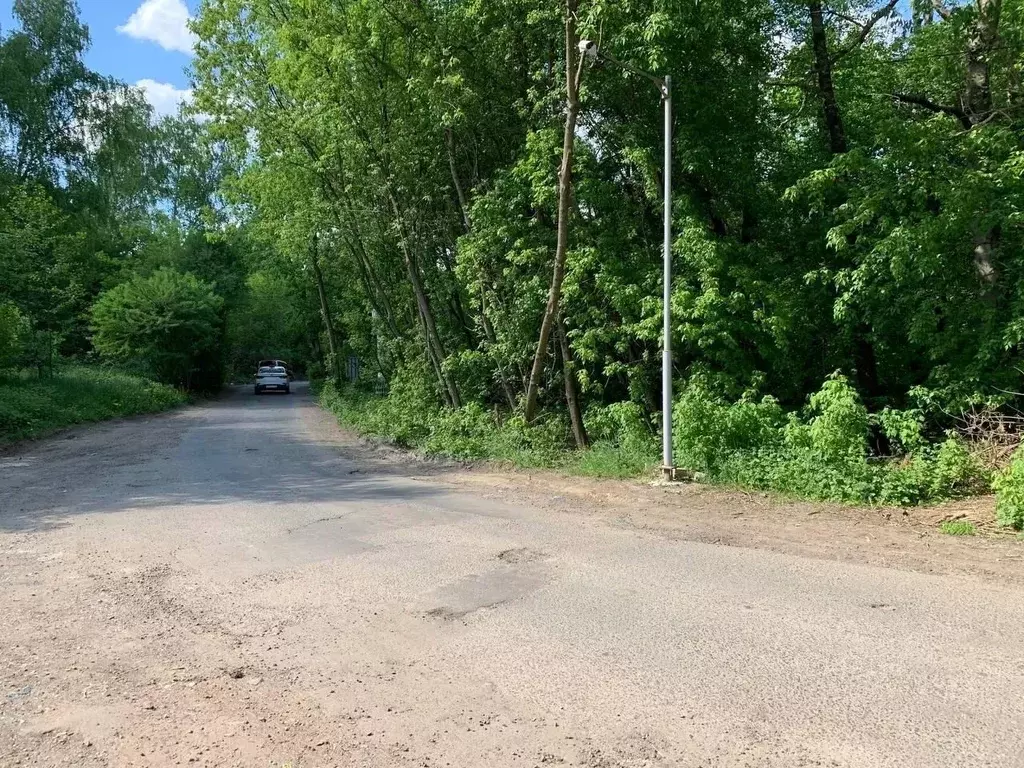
(44, 89)
(267, 323)
(847, 183)
(168, 323)
(12, 333)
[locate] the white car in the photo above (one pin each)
(272, 378)
(275, 364)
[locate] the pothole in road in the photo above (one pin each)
(445, 613)
(448, 613)
(520, 555)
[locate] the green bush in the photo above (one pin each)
(409, 416)
(707, 431)
(749, 443)
(463, 433)
(839, 427)
(168, 324)
(1009, 488)
(624, 443)
(608, 460)
(473, 372)
(955, 472)
(31, 406)
(404, 417)
(903, 428)
(823, 456)
(618, 423)
(545, 443)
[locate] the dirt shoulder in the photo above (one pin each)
(892, 537)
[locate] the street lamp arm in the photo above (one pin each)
(658, 81)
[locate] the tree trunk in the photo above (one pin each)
(435, 349)
(375, 292)
(826, 89)
(314, 345)
(981, 255)
(325, 311)
(467, 223)
(572, 81)
(371, 286)
(435, 363)
(449, 141)
(579, 431)
(983, 39)
(379, 301)
(492, 341)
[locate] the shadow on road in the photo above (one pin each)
(239, 449)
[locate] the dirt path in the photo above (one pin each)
(244, 584)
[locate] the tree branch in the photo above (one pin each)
(922, 101)
(865, 29)
(844, 17)
(940, 9)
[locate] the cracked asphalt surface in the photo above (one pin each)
(230, 585)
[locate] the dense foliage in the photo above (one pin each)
(411, 417)
(444, 201)
(99, 197)
(1009, 487)
(822, 453)
(166, 323)
(478, 212)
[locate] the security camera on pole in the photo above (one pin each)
(590, 50)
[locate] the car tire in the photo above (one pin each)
(287, 390)
(256, 390)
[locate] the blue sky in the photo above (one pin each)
(143, 42)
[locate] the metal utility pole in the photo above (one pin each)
(590, 50)
(667, 460)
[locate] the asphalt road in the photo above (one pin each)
(226, 586)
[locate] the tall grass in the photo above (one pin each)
(32, 406)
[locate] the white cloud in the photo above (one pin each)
(164, 22)
(164, 97)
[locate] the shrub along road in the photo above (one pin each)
(242, 584)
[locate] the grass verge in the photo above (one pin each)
(623, 447)
(822, 455)
(32, 407)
